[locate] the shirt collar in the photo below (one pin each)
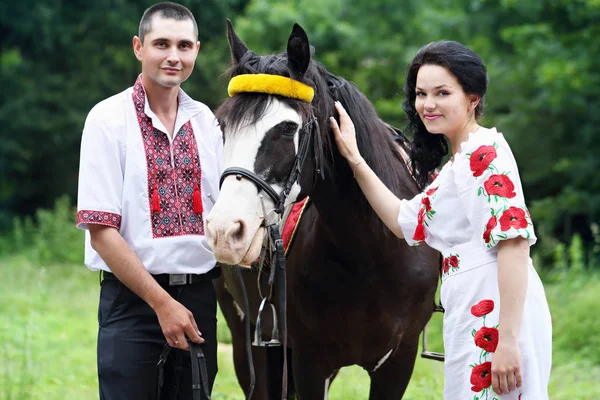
(187, 107)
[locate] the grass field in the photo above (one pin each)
(48, 340)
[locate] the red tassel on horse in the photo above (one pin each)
(155, 206)
(197, 201)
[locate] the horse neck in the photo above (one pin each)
(346, 215)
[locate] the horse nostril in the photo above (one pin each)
(238, 234)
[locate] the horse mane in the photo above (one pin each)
(374, 138)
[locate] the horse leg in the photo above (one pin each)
(312, 377)
(389, 381)
(236, 323)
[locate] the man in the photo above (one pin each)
(149, 169)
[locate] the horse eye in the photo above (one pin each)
(289, 129)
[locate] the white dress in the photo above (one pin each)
(474, 202)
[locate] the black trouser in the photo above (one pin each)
(130, 341)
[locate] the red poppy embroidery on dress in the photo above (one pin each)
(513, 217)
(481, 159)
(426, 203)
(450, 264)
(498, 189)
(483, 308)
(489, 227)
(481, 377)
(500, 185)
(99, 218)
(486, 338)
(174, 175)
(431, 191)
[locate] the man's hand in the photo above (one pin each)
(177, 322)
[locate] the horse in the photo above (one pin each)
(356, 294)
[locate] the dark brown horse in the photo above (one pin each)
(356, 294)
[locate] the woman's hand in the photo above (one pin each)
(345, 137)
(506, 367)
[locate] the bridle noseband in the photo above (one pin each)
(306, 137)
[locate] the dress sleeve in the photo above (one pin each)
(411, 220)
(100, 187)
(490, 190)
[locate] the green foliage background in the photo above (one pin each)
(58, 58)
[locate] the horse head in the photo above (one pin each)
(272, 143)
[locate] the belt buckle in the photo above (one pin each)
(177, 279)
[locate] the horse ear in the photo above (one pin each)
(237, 46)
(298, 51)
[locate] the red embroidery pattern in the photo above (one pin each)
(485, 338)
(489, 227)
(498, 188)
(425, 212)
(500, 185)
(481, 159)
(450, 264)
(513, 217)
(99, 218)
(174, 170)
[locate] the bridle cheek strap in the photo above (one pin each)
(279, 199)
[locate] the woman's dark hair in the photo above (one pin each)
(429, 149)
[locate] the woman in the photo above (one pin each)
(497, 327)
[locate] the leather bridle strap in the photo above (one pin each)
(279, 198)
(301, 156)
(240, 172)
(199, 372)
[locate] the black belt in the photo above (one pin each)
(177, 279)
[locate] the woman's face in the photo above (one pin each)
(441, 102)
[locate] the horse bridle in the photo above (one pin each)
(306, 137)
(308, 133)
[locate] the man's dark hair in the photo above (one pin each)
(166, 10)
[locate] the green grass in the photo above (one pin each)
(48, 340)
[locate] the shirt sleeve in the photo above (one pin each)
(411, 219)
(100, 176)
(490, 190)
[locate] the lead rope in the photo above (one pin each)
(161, 369)
(280, 280)
(199, 372)
(248, 333)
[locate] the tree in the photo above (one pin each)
(57, 60)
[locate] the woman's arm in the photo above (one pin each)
(384, 202)
(513, 260)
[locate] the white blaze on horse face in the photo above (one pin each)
(233, 227)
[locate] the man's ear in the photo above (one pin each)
(137, 47)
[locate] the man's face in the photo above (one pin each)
(169, 51)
